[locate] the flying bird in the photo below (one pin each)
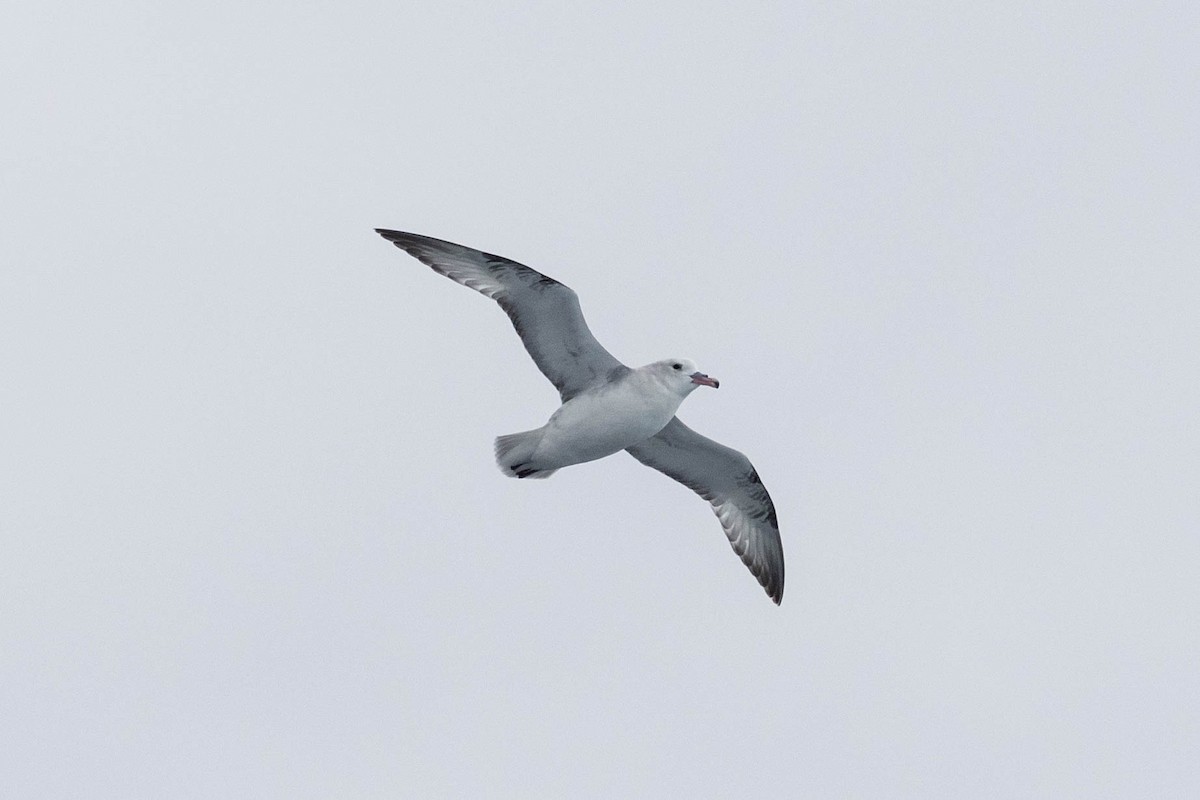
(608, 407)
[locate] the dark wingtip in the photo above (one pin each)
(405, 241)
(773, 585)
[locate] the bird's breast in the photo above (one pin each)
(594, 425)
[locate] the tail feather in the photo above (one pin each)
(514, 454)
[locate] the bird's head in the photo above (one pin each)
(682, 375)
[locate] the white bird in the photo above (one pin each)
(608, 407)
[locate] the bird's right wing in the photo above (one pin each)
(727, 480)
(545, 313)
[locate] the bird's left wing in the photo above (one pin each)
(727, 480)
(545, 312)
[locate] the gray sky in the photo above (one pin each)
(944, 263)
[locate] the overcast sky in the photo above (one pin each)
(943, 261)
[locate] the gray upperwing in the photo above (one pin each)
(545, 312)
(726, 479)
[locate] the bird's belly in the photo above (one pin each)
(585, 429)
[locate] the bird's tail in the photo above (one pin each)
(514, 453)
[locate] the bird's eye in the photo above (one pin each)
(677, 366)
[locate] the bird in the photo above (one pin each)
(607, 406)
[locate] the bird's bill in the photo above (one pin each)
(701, 379)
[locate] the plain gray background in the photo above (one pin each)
(943, 259)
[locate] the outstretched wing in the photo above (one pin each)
(726, 479)
(545, 313)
